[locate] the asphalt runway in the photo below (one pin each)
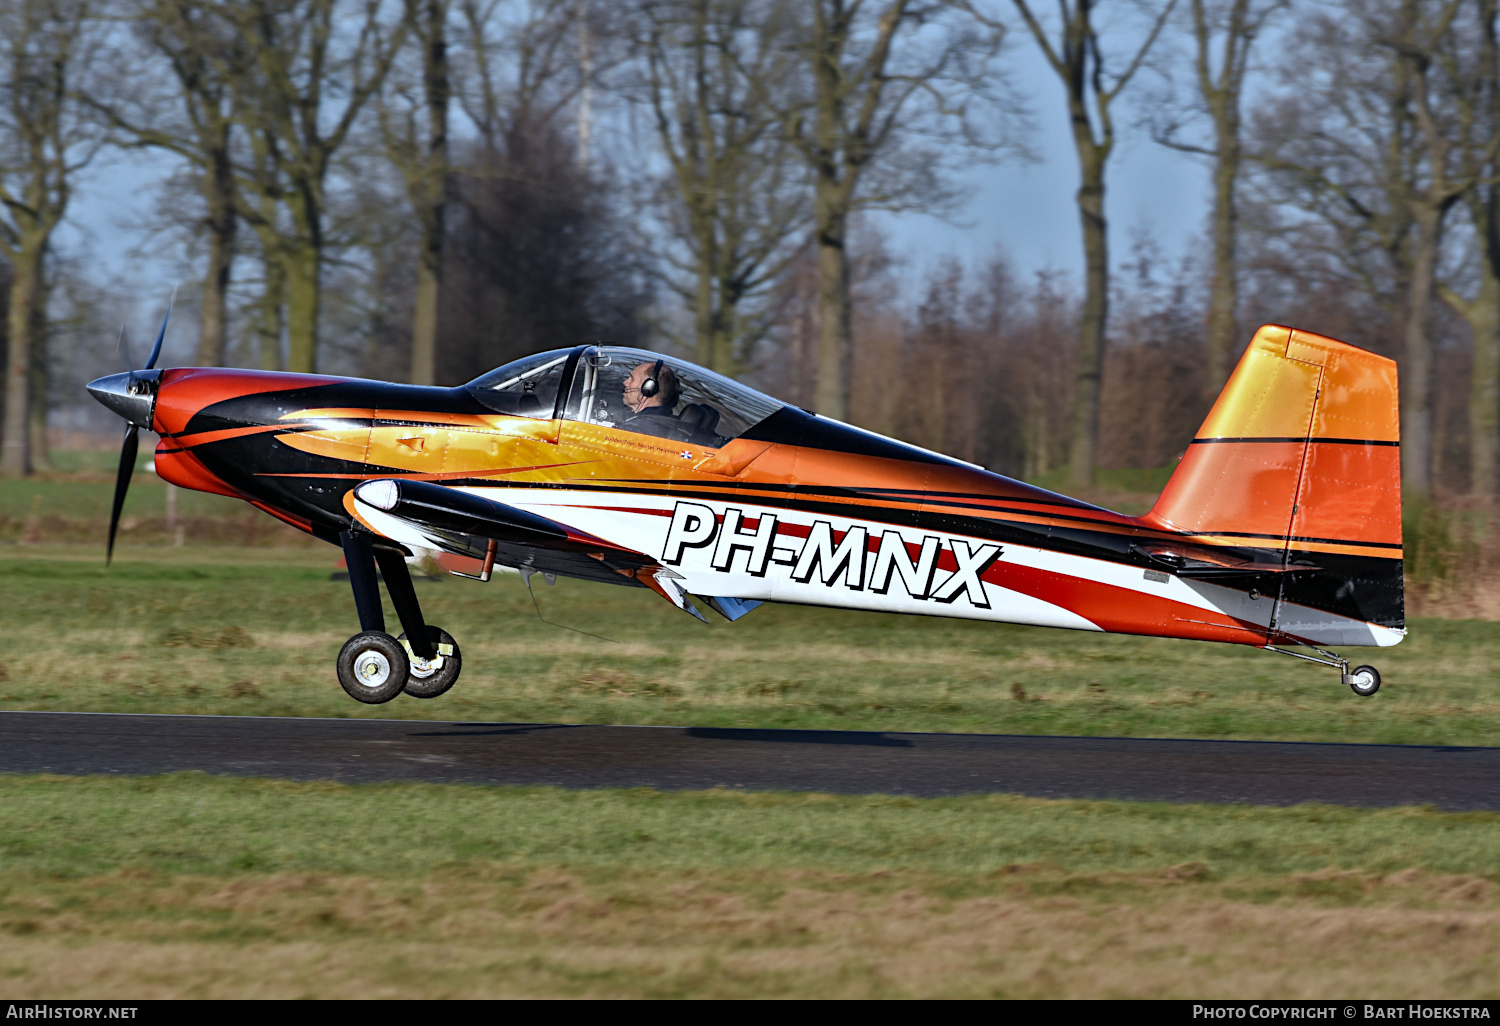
(848, 762)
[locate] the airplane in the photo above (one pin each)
(1280, 525)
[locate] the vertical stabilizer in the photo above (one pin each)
(1300, 458)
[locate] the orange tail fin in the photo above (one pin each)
(1301, 455)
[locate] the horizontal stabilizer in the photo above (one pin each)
(1210, 571)
(1200, 562)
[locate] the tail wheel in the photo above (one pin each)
(1365, 681)
(372, 667)
(430, 678)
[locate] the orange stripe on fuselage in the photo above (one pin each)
(1296, 545)
(403, 476)
(298, 522)
(478, 422)
(206, 437)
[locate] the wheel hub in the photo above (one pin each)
(424, 668)
(372, 669)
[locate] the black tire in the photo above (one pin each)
(430, 684)
(372, 668)
(1364, 681)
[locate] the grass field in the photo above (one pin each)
(194, 886)
(74, 509)
(256, 631)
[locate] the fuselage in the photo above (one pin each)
(796, 508)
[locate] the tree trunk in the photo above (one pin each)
(703, 301)
(222, 226)
(1484, 386)
(269, 321)
(303, 267)
(25, 288)
(1083, 452)
(725, 328)
(1483, 315)
(39, 450)
(302, 263)
(1223, 302)
(834, 336)
(719, 329)
(1416, 375)
(425, 321)
(433, 193)
(833, 187)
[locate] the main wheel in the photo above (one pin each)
(1365, 681)
(373, 667)
(428, 679)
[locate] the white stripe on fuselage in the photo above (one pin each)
(649, 532)
(614, 517)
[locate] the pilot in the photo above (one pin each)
(651, 394)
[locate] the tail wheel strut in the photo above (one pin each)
(1362, 680)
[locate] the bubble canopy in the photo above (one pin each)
(629, 389)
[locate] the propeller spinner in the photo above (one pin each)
(132, 395)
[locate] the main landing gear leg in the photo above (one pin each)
(359, 554)
(372, 665)
(1362, 680)
(432, 653)
(404, 598)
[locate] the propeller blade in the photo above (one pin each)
(122, 485)
(156, 349)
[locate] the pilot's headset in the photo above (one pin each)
(652, 384)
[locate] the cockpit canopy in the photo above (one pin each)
(594, 385)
